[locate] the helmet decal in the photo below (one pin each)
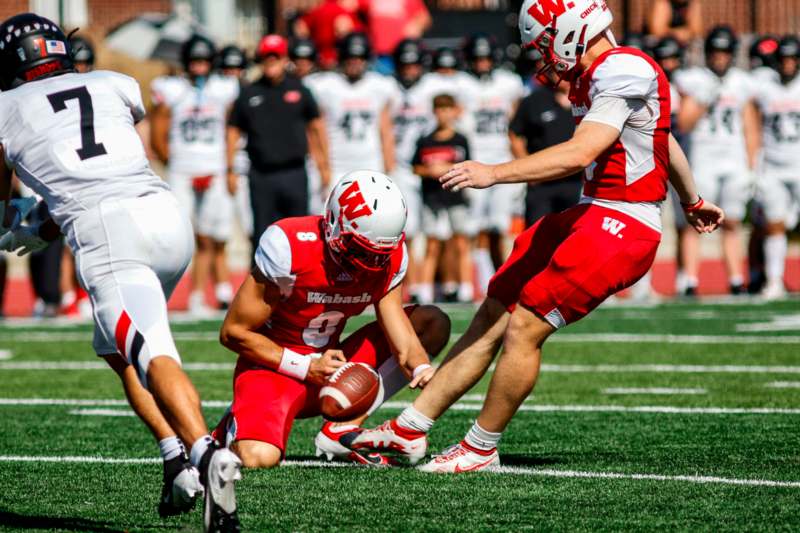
(353, 205)
(545, 10)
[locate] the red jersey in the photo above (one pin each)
(636, 167)
(317, 295)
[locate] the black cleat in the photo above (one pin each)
(738, 289)
(181, 487)
(690, 292)
(219, 470)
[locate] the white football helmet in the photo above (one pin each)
(560, 30)
(365, 216)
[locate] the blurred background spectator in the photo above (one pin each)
(374, 121)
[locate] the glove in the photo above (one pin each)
(23, 206)
(23, 240)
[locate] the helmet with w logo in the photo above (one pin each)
(561, 30)
(365, 216)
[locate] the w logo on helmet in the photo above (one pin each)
(352, 204)
(545, 10)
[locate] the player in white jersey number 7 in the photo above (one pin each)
(567, 263)
(71, 138)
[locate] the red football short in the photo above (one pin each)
(266, 403)
(567, 263)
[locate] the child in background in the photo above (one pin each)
(445, 215)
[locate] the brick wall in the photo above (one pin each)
(103, 14)
(9, 8)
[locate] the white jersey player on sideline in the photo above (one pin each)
(778, 101)
(718, 114)
(491, 101)
(355, 106)
(188, 134)
(412, 111)
(71, 138)
(446, 78)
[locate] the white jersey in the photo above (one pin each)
(71, 139)
(459, 85)
(412, 116)
(197, 125)
(718, 135)
(780, 108)
(490, 103)
(352, 114)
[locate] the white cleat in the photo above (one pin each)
(391, 437)
(332, 443)
(223, 471)
(773, 290)
(462, 458)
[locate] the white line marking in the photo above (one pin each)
(88, 403)
(580, 338)
(6, 354)
(557, 368)
(98, 365)
(101, 412)
(678, 339)
(776, 323)
(652, 390)
(511, 470)
(783, 385)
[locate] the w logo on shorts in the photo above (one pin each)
(613, 226)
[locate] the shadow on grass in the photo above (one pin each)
(527, 460)
(12, 520)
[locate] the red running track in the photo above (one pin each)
(19, 296)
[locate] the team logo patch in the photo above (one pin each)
(21, 54)
(55, 47)
(353, 204)
(291, 97)
(255, 101)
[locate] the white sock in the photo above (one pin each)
(68, 298)
(736, 280)
(466, 293)
(199, 449)
(425, 293)
(171, 447)
(479, 438)
(775, 256)
(483, 263)
(224, 292)
(450, 287)
(413, 289)
(196, 299)
(410, 418)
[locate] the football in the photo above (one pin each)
(350, 392)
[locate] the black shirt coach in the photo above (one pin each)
(543, 122)
(275, 117)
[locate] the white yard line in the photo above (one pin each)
(462, 406)
(101, 412)
(652, 390)
(783, 385)
(6, 355)
(556, 368)
(97, 365)
(509, 470)
(579, 338)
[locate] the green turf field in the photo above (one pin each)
(670, 417)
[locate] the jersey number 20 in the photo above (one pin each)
(89, 146)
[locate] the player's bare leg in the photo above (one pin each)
(467, 361)
(512, 382)
(466, 292)
(257, 454)
(140, 400)
(690, 248)
(732, 252)
(201, 272)
(181, 481)
(775, 245)
(222, 277)
(433, 251)
(497, 248)
(219, 468)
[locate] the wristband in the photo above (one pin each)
(689, 208)
(419, 370)
(294, 365)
